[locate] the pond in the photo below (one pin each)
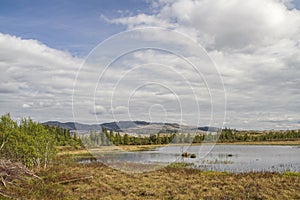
(231, 158)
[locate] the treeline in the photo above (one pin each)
(30, 142)
(106, 137)
(63, 137)
(232, 135)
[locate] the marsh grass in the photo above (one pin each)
(172, 182)
(288, 173)
(181, 165)
(216, 161)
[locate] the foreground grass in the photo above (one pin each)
(69, 180)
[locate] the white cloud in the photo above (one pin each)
(36, 80)
(222, 23)
(255, 45)
(120, 110)
(25, 105)
(140, 20)
(98, 110)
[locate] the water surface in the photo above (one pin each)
(232, 158)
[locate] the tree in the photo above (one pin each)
(40, 143)
(126, 139)
(153, 139)
(7, 126)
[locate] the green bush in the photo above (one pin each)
(29, 142)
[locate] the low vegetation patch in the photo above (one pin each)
(291, 174)
(181, 165)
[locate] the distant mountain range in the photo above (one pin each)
(140, 127)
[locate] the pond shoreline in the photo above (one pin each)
(154, 146)
(219, 157)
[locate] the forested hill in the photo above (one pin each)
(73, 125)
(131, 126)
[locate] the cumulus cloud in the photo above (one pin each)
(255, 45)
(35, 76)
(223, 24)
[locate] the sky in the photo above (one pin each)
(220, 63)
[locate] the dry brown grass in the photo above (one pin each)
(167, 183)
(106, 149)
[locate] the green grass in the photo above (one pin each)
(181, 165)
(291, 174)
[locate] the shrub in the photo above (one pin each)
(29, 142)
(193, 155)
